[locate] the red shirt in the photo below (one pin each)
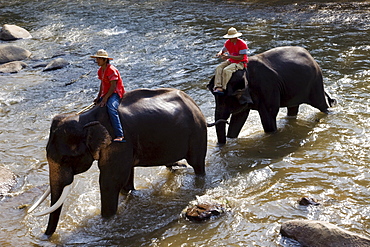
(111, 73)
(234, 50)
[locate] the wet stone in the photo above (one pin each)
(305, 201)
(204, 211)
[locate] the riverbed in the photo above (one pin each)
(162, 43)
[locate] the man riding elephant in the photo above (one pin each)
(234, 53)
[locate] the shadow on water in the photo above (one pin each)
(149, 212)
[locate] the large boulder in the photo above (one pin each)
(13, 32)
(10, 53)
(321, 234)
(7, 181)
(57, 63)
(12, 67)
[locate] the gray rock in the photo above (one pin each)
(321, 234)
(13, 32)
(7, 181)
(10, 53)
(12, 67)
(40, 64)
(57, 63)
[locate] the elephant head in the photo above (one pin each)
(235, 102)
(71, 149)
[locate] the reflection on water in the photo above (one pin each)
(171, 44)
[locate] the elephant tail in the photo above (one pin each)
(217, 122)
(332, 102)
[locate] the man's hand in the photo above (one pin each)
(103, 101)
(225, 56)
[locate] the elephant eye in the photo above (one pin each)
(73, 147)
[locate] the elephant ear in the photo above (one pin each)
(97, 138)
(239, 88)
(243, 95)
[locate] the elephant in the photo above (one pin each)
(281, 77)
(161, 126)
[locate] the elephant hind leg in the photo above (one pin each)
(130, 183)
(293, 111)
(196, 155)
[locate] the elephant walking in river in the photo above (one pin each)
(161, 126)
(280, 77)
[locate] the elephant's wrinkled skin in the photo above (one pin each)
(280, 77)
(161, 126)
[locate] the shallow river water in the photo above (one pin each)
(167, 43)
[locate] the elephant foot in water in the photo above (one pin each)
(204, 211)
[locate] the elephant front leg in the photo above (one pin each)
(109, 194)
(292, 111)
(115, 168)
(268, 118)
(236, 123)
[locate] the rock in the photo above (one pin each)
(204, 211)
(57, 63)
(40, 64)
(321, 234)
(7, 180)
(13, 32)
(10, 53)
(12, 67)
(305, 201)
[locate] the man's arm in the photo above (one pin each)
(112, 87)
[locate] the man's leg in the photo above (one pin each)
(218, 74)
(228, 72)
(112, 106)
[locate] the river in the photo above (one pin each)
(164, 43)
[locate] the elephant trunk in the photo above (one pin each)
(221, 133)
(221, 113)
(59, 179)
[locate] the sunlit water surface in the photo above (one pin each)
(171, 44)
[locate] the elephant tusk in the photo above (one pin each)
(62, 198)
(39, 201)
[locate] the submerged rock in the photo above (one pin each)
(10, 53)
(12, 67)
(204, 211)
(305, 201)
(57, 63)
(13, 32)
(321, 234)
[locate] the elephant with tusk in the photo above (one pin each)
(161, 126)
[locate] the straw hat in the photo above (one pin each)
(102, 53)
(232, 33)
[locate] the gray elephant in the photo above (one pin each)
(280, 77)
(161, 126)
